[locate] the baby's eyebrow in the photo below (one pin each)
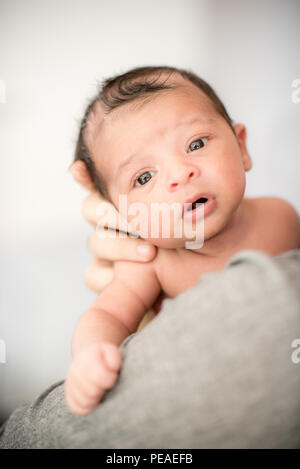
(128, 162)
(181, 123)
(193, 119)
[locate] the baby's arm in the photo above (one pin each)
(114, 315)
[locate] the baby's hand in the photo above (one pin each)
(93, 371)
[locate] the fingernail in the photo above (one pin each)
(144, 250)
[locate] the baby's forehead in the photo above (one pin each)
(99, 113)
(103, 123)
(93, 122)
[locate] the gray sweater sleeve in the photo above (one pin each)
(213, 370)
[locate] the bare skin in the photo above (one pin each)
(217, 167)
(106, 250)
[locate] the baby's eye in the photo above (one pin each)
(143, 178)
(197, 144)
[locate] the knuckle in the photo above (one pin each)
(94, 245)
(90, 271)
(92, 280)
(106, 380)
(88, 209)
(90, 241)
(79, 409)
(93, 393)
(87, 277)
(85, 204)
(112, 379)
(73, 404)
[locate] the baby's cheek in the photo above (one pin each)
(232, 179)
(159, 227)
(139, 219)
(238, 185)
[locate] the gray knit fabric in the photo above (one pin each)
(212, 370)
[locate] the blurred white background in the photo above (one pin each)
(51, 55)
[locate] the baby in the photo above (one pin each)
(160, 135)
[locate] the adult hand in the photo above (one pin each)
(106, 250)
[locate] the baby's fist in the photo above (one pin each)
(93, 371)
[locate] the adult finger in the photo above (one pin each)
(98, 275)
(113, 248)
(101, 213)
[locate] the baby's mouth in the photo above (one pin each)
(201, 200)
(191, 204)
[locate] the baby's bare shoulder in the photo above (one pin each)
(280, 215)
(178, 269)
(277, 206)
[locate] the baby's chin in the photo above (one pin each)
(174, 239)
(190, 240)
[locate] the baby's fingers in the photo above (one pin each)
(79, 400)
(84, 394)
(112, 356)
(90, 376)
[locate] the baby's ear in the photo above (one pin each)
(241, 135)
(81, 175)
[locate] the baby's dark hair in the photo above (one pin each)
(138, 83)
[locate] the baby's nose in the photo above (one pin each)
(182, 176)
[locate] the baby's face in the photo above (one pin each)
(173, 149)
